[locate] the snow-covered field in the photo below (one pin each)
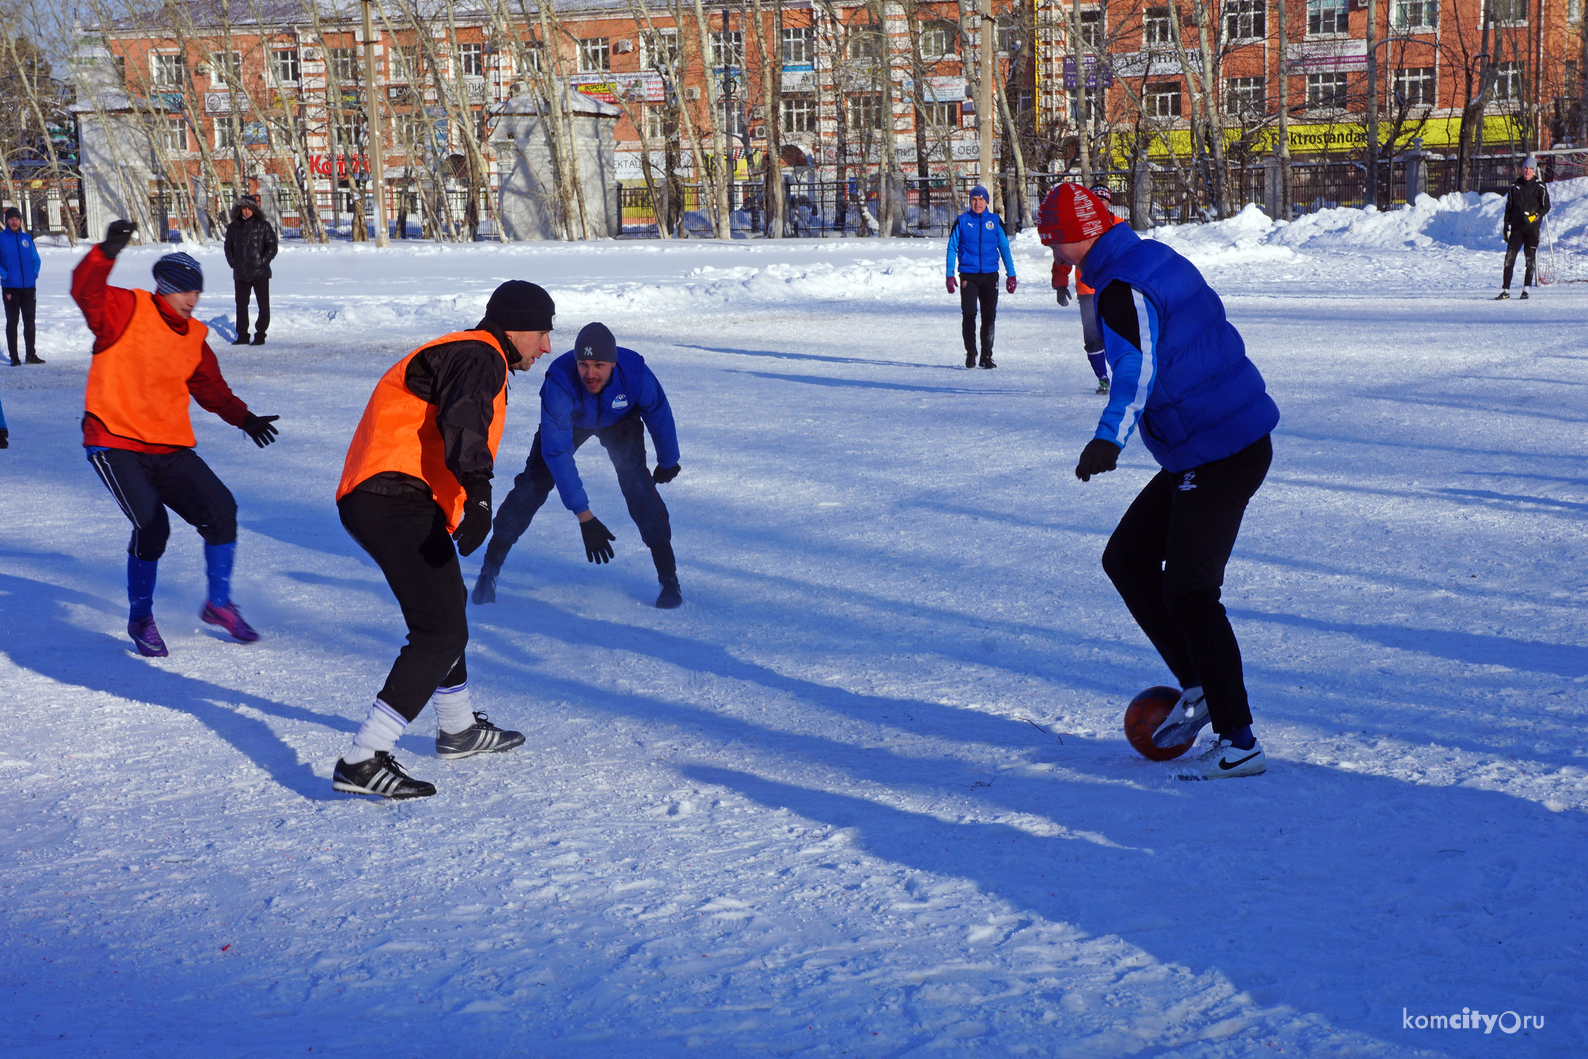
(866, 793)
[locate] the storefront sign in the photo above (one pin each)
(1096, 73)
(1314, 55)
(224, 103)
(643, 87)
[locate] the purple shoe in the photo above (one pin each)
(146, 637)
(230, 619)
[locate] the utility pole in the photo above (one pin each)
(984, 105)
(1372, 103)
(377, 159)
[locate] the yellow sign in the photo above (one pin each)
(1342, 137)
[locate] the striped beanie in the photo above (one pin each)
(177, 272)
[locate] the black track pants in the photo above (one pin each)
(21, 302)
(1524, 236)
(978, 288)
(146, 483)
(407, 537)
(1167, 559)
(261, 292)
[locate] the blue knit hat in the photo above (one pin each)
(979, 190)
(177, 272)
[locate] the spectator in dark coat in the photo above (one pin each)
(1526, 203)
(250, 247)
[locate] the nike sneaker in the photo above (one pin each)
(1224, 761)
(1185, 720)
(1523, 296)
(380, 776)
(146, 637)
(485, 587)
(1102, 384)
(1502, 296)
(482, 737)
(230, 619)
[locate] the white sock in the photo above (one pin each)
(381, 729)
(454, 713)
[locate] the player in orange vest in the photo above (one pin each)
(150, 355)
(1091, 337)
(415, 493)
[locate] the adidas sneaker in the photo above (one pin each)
(380, 776)
(1224, 761)
(482, 737)
(1185, 720)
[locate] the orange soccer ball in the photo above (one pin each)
(1143, 716)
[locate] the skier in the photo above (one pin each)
(250, 247)
(1092, 340)
(1526, 206)
(976, 243)
(418, 470)
(19, 277)
(597, 390)
(149, 356)
(1180, 373)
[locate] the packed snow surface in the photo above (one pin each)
(866, 793)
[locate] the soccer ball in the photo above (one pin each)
(1143, 716)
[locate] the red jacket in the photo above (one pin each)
(108, 311)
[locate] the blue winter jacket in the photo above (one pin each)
(566, 406)
(978, 240)
(1189, 383)
(19, 259)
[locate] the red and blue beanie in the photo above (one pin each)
(1072, 214)
(177, 272)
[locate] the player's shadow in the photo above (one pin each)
(1343, 912)
(869, 362)
(61, 651)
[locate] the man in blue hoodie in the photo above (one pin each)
(1182, 375)
(19, 275)
(976, 244)
(596, 390)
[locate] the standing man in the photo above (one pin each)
(596, 390)
(417, 478)
(1091, 338)
(1181, 374)
(250, 247)
(1526, 205)
(19, 277)
(976, 243)
(150, 356)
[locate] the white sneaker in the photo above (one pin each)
(1224, 762)
(1185, 720)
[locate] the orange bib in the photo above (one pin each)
(399, 433)
(137, 386)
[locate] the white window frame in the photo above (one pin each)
(471, 59)
(168, 69)
(1423, 77)
(1426, 12)
(595, 55)
(1332, 17)
(279, 61)
(1157, 29)
(1157, 97)
(1339, 89)
(799, 45)
(799, 114)
(659, 49)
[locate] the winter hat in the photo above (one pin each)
(519, 305)
(1530, 163)
(177, 272)
(595, 342)
(981, 191)
(1072, 214)
(12, 211)
(1102, 192)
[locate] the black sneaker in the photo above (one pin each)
(987, 362)
(483, 738)
(380, 776)
(1523, 296)
(970, 360)
(34, 359)
(1502, 296)
(671, 595)
(485, 587)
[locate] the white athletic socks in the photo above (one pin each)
(381, 729)
(454, 713)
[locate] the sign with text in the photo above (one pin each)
(643, 87)
(1313, 55)
(225, 103)
(1096, 73)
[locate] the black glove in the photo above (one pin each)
(663, 475)
(117, 237)
(261, 429)
(1098, 456)
(596, 536)
(1064, 295)
(476, 524)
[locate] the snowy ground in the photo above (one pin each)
(866, 792)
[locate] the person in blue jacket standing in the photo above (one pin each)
(597, 390)
(976, 244)
(19, 276)
(1182, 376)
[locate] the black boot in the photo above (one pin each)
(259, 338)
(667, 573)
(970, 360)
(16, 361)
(34, 358)
(5, 438)
(987, 361)
(241, 339)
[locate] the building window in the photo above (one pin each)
(595, 55)
(284, 65)
(1092, 27)
(226, 68)
(1156, 30)
(1573, 10)
(1326, 91)
(727, 49)
(344, 65)
(1327, 17)
(1415, 15)
(864, 44)
(170, 70)
(1415, 86)
(865, 111)
(799, 114)
(937, 39)
(175, 138)
(1162, 100)
(223, 134)
(1246, 96)
(940, 115)
(1246, 19)
(658, 50)
(1508, 83)
(403, 63)
(471, 59)
(1512, 12)
(799, 46)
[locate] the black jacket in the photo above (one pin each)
(250, 245)
(1526, 197)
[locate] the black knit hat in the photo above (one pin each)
(177, 272)
(518, 305)
(12, 211)
(595, 342)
